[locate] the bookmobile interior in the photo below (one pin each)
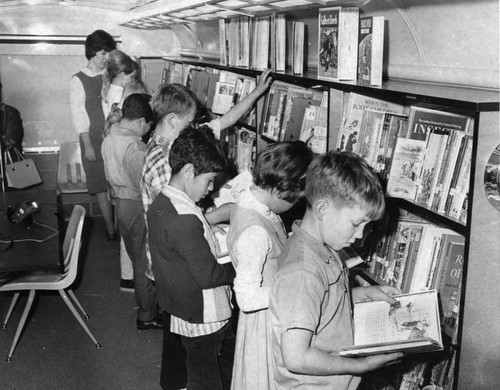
(442, 55)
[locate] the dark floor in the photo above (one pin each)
(55, 353)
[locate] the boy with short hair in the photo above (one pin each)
(123, 153)
(310, 303)
(192, 286)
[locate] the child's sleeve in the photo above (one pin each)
(252, 249)
(191, 244)
(297, 296)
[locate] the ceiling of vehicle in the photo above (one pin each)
(156, 14)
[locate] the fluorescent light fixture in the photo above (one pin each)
(56, 39)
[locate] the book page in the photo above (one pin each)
(413, 317)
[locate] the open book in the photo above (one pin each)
(411, 325)
(221, 245)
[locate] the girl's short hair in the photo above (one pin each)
(282, 166)
(200, 148)
(347, 180)
(97, 41)
(173, 98)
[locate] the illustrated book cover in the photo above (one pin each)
(338, 43)
(411, 325)
(370, 50)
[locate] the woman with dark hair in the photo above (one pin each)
(88, 119)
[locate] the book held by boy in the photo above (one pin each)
(411, 325)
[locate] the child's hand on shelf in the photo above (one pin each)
(264, 81)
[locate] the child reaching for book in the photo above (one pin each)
(254, 241)
(310, 299)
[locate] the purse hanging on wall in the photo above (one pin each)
(22, 173)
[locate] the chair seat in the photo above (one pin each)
(37, 281)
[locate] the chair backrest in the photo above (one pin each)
(70, 174)
(72, 242)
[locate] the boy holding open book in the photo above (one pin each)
(310, 302)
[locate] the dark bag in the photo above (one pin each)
(22, 173)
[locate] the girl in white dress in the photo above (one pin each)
(255, 239)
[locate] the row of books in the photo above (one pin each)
(417, 256)
(219, 91)
(292, 113)
(422, 154)
(350, 46)
(256, 43)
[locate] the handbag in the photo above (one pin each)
(22, 173)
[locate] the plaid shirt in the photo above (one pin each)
(155, 175)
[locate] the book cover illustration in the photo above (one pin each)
(411, 325)
(351, 127)
(223, 98)
(328, 43)
(405, 169)
(365, 50)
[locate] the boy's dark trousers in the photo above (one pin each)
(210, 359)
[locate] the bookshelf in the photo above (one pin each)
(478, 323)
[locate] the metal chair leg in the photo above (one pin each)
(78, 304)
(22, 321)
(11, 309)
(78, 317)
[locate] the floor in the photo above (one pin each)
(55, 353)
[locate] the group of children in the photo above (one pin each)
(293, 293)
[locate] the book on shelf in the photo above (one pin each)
(223, 97)
(370, 50)
(404, 175)
(298, 99)
(224, 41)
(369, 137)
(245, 149)
(274, 110)
(394, 125)
(348, 139)
(280, 42)
(298, 36)
(447, 280)
(260, 32)
(314, 128)
(411, 325)
(338, 43)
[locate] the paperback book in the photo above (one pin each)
(411, 325)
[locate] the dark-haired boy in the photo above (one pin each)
(192, 287)
(310, 302)
(123, 153)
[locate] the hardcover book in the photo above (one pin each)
(370, 50)
(298, 47)
(411, 325)
(338, 43)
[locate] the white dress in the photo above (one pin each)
(255, 239)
